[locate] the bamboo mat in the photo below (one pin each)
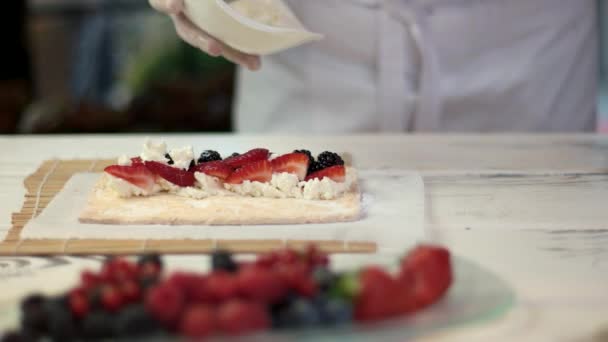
(51, 176)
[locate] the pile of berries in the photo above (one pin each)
(285, 289)
(253, 165)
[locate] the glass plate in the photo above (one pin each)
(477, 295)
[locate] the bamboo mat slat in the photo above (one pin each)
(48, 180)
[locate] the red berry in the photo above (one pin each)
(111, 298)
(261, 284)
(375, 298)
(198, 321)
(287, 256)
(214, 168)
(336, 173)
(247, 158)
(404, 298)
(149, 270)
(260, 171)
(293, 274)
(316, 257)
(307, 288)
(174, 175)
(430, 270)
(89, 279)
(130, 291)
(136, 174)
(184, 281)
(165, 302)
(79, 305)
(239, 316)
(296, 163)
(124, 270)
(221, 286)
(199, 292)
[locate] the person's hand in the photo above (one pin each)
(194, 36)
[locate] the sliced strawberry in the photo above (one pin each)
(174, 175)
(260, 171)
(136, 161)
(296, 163)
(136, 174)
(247, 157)
(429, 268)
(215, 168)
(336, 173)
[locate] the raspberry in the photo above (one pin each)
(185, 282)
(221, 286)
(316, 257)
(130, 291)
(111, 298)
(287, 256)
(239, 316)
(79, 305)
(198, 321)
(293, 274)
(165, 302)
(261, 284)
(89, 279)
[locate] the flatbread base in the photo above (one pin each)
(105, 207)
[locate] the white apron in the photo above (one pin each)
(429, 65)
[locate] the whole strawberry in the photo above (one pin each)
(428, 269)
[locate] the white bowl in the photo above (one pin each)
(240, 32)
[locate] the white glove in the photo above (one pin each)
(194, 36)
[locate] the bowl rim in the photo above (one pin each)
(250, 23)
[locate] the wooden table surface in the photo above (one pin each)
(532, 208)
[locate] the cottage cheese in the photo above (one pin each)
(124, 160)
(182, 157)
(125, 189)
(154, 152)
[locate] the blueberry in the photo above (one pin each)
(222, 260)
(208, 156)
(33, 315)
(301, 313)
(152, 258)
(324, 278)
(135, 320)
(337, 311)
(97, 325)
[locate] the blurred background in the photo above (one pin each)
(117, 66)
(105, 66)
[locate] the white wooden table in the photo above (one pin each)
(532, 208)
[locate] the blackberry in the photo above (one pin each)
(134, 320)
(234, 155)
(152, 258)
(324, 278)
(222, 260)
(170, 162)
(208, 156)
(306, 152)
(61, 324)
(98, 325)
(314, 167)
(327, 159)
(34, 317)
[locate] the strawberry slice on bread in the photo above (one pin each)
(296, 163)
(260, 171)
(251, 156)
(136, 174)
(214, 168)
(174, 175)
(336, 173)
